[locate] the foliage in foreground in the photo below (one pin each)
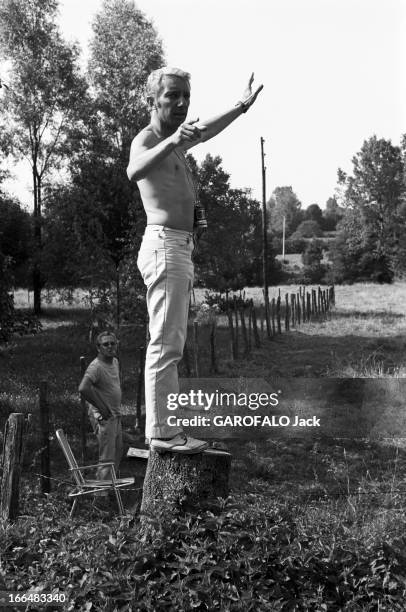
(249, 553)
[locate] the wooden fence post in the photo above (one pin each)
(213, 358)
(293, 308)
(278, 313)
(83, 414)
(309, 308)
(186, 360)
(261, 319)
(304, 318)
(287, 313)
(249, 327)
(298, 309)
(15, 433)
(234, 353)
(196, 347)
(267, 320)
(44, 425)
(273, 314)
(244, 332)
(140, 385)
(236, 324)
(254, 325)
(325, 302)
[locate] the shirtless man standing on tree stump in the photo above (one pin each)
(157, 163)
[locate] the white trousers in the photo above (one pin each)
(165, 263)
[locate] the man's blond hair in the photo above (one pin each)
(155, 79)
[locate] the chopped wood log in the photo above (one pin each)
(15, 434)
(138, 453)
(174, 482)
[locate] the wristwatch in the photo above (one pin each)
(100, 418)
(243, 105)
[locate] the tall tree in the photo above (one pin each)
(44, 89)
(332, 214)
(105, 210)
(374, 220)
(15, 236)
(229, 253)
(124, 49)
(284, 203)
(314, 213)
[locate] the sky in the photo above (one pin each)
(333, 73)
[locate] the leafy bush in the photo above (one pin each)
(224, 302)
(247, 554)
(295, 245)
(307, 229)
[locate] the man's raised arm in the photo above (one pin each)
(215, 125)
(147, 151)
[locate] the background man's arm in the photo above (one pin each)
(89, 392)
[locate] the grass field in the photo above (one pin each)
(365, 337)
(311, 524)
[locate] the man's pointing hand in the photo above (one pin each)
(189, 132)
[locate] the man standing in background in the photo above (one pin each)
(101, 387)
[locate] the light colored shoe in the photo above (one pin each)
(182, 444)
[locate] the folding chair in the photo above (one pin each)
(84, 486)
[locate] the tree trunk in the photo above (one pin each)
(176, 482)
(36, 275)
(118, 303)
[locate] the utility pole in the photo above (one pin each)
(264, 241)
(283, 238)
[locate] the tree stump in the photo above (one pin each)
(174, 482)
